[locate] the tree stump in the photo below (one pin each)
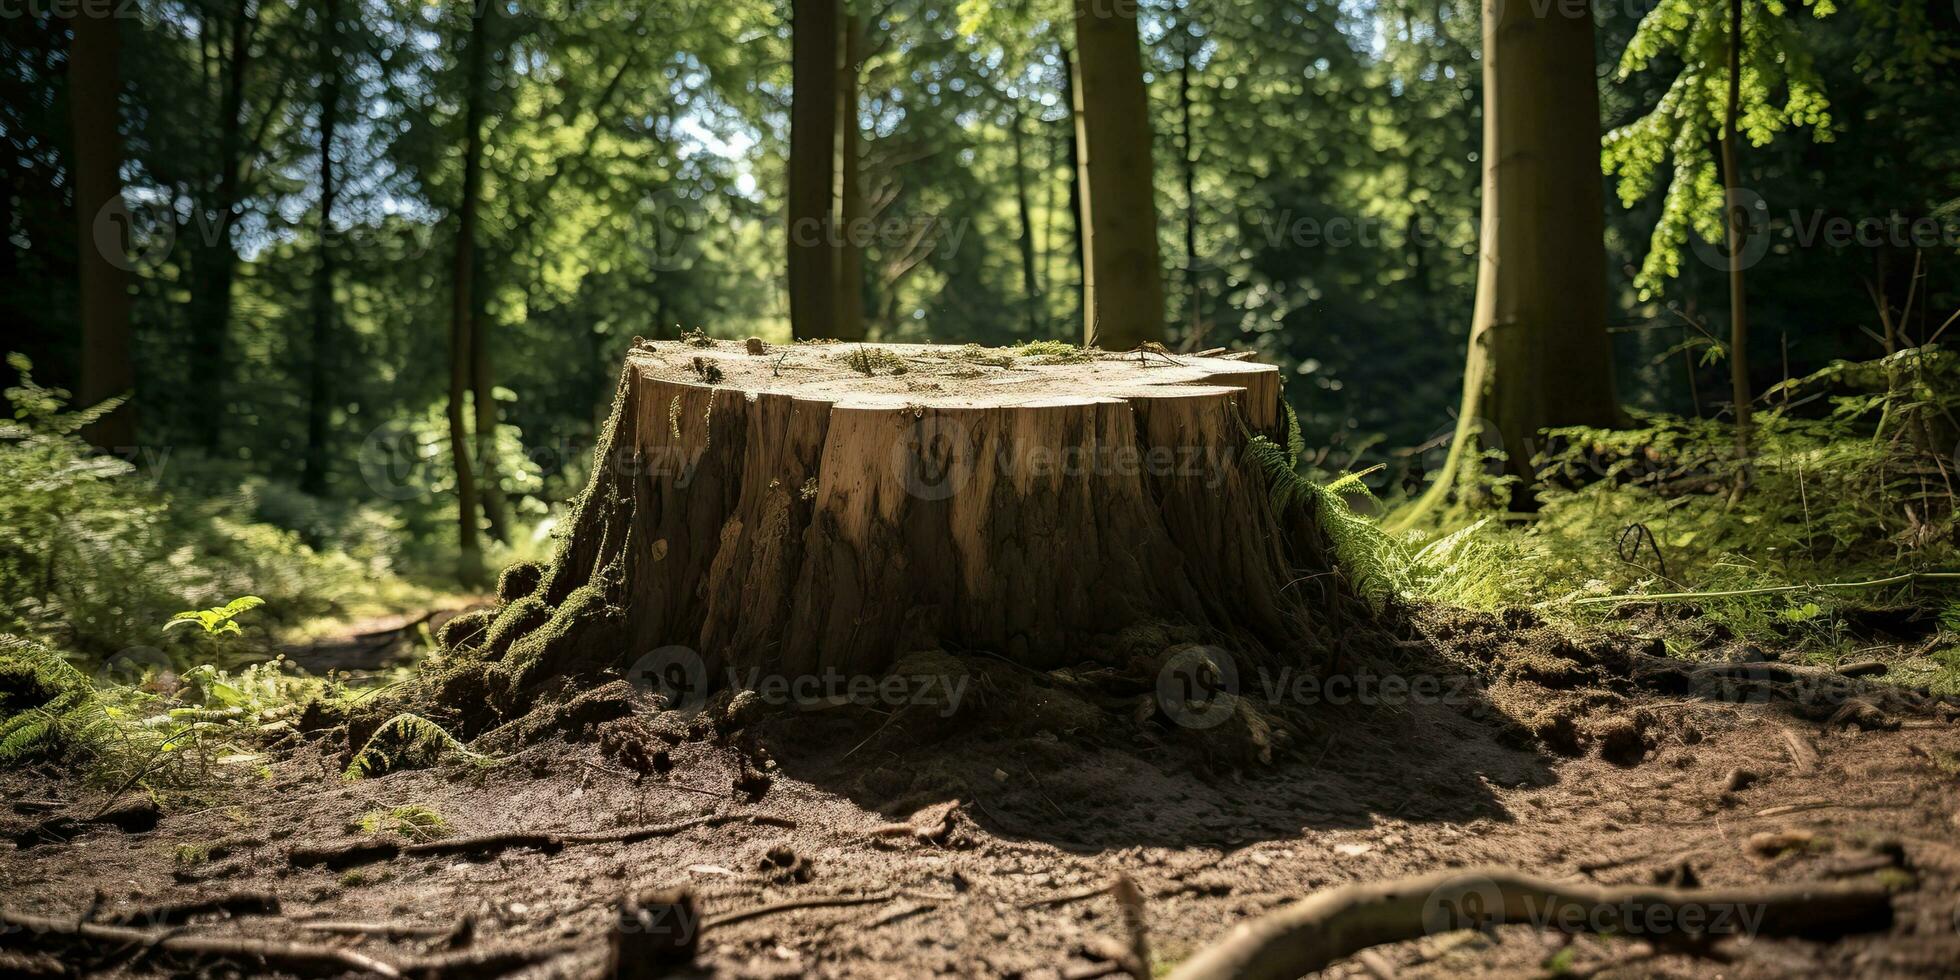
(831, 507)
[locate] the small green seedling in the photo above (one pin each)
(217, 619)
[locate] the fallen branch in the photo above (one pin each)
(485, 845)
(386, 930)
(177, 913)
(824, 902)
(1067, 897)
(1330, 925)
(1786, 808)
(472, 964)
(296, 956)
(306, 958)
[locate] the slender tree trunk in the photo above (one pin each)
(850, 186)
(812, 162)
(463, 301)
(1738, 221)
(94, 88)
(1055, 149)
(217, 266)
(1188, 163)
(313, 478)
(1539, 352)
(1125, 271)
(483, 401)
(1030, 285)
(1078, 217)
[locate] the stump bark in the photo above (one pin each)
(829, 508)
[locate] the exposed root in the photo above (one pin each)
(1333, 924)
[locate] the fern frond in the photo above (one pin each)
(408, 741)
(23, 733)
(1373, 560)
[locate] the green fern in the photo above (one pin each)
(23, 733)
(408, 741)
(45, 702)
(1373, 560)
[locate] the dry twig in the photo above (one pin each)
(484, 845)
(296, 956)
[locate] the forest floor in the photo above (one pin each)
(1577, 759)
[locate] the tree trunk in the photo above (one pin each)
(812, 164)
(1076, 198)
(808, 518)
(1539, 352)
(483, 400)
(1187, 159)
(1030, 286)
(101, 221)
(1125, 275)
(217, 265)
(850, 187)
(313, 478)
(463, 301)
(1738, 225)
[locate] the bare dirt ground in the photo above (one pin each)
(1573, 761)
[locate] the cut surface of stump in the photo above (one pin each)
(828, 508)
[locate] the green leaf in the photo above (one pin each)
(241, 604)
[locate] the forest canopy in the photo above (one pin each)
(1316, 195)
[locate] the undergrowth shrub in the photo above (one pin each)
(161, 731)
(1850, 481)
(95, 552)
